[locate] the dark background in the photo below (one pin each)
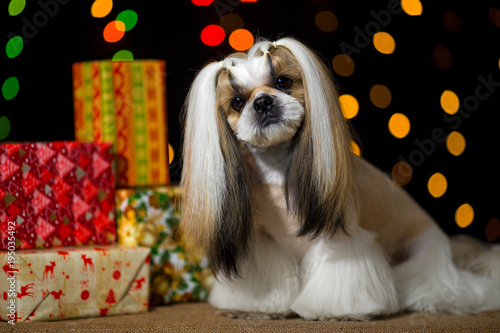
(170, 30)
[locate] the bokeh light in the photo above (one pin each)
(241, 40)
(212, 35)
(170, 154)
(326, 21)
(384, 43)
(14, 47)
(349, 106)
(129, 19)
(123, 55)
(455, 143)
(355, 148)
(451, 21)
(495, 16)
(464, 215)
(412, 7)
(380, 96)
(437, 185)
(10, 88)
(16, 7)
(114, 31)
(442, 56)
(202, 2)
(492, 230)
(399, 125)
(101, 8)
(343, 64)
(4, 127)
(402, 173)
(449, 102)
(231, 22)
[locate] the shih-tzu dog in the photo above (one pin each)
(291, 221)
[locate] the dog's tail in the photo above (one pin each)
(475, 256)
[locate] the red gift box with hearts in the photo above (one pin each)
(56, 194)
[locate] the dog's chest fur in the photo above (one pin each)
(270, 211)
(271, 219)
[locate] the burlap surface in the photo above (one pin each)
(201, 317)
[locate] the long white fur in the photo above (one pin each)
(349, 277)
(429, 280)
(205, 160)
(322, 136)
(339, 277)
(270, 282)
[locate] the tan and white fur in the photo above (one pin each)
(291, 221)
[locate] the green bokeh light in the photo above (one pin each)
(4, 127)
(123, 55)
(14, 46)
(10, 88)
(16, 7)
(129, 18)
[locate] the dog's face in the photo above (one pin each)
(262, 97)
(277, 92)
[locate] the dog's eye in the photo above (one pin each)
(283, 83)
(237, 103)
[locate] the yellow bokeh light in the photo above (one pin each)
(384, 43)
(343, 64)
(101, 8)
(231, 22)
(399, 125)
(412, 7)
(495, 16)
(402, 173)
(464, 215)
(451, 21)
(449, 102)
(355, 148)
(349, 106)
(455, 143)
(326, 21)
(170, 153)
(443, 56)
(380, 96)
(437, 185)
(492, 229)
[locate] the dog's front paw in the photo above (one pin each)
(234, 314)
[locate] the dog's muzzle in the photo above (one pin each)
(267, 110)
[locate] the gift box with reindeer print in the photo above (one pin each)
(73, 282)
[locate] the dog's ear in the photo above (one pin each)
(216, 208)
(319, 176)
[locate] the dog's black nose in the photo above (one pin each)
(263, 103)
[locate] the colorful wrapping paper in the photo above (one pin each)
(52, 284)
(148, 217)
(57, 194)
(124, 102)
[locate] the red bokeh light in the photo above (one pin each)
(202, 2)
(212, 35)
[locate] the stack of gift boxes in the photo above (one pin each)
(90, 227)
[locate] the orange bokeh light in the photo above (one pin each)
(241, 40)
(114, 31)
